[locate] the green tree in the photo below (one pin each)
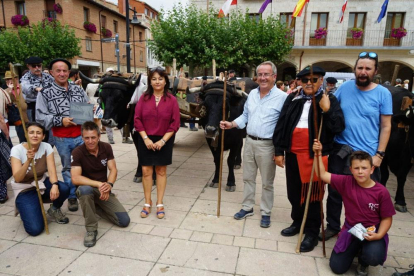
(194, 38)
(47, 40)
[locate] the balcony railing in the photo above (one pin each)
(49, 14)
(370, 38)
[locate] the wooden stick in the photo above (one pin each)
(222, 145)
(17, 95)
(315, 160)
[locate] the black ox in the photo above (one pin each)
(400, 149)
(212, 106)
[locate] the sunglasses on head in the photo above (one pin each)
(158, 68)
(305, 80)
(368, 55)
(36, 65)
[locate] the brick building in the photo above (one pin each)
(96, 56)
(338, 50)
(146, 14)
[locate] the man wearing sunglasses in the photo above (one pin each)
(32, 83)
(367, 108)
(294, 133)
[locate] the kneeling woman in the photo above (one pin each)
(157, 119)
(24, 186)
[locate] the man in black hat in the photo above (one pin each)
(331, 84)
(294, 134)
(32, 83)
(53, 109)
(232, 75)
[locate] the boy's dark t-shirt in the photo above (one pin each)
(363, 205)
(95, 168)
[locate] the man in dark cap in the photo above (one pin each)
(32, 83)
(293, 135)
(331, 85)
(232, 75)
(367, 108)
(52, 110)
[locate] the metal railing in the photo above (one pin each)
(341, 38)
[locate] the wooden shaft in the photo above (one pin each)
(17, 95)
(222, 145)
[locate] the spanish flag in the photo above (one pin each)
(226, 8)
(299, 8)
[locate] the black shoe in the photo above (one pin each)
(73, 204)
(242, 214)
(361, 270)
(290, 231)
(329, 233)
(408, 273)
(308, 243)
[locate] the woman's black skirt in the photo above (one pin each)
(161, 157)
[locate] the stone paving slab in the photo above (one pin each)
(29, 259)
(96, 265)
(191, 240)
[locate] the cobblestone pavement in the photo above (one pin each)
(191, 240)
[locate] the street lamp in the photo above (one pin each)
(134, 21)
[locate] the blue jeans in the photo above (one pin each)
(65, 146)
(29, 207)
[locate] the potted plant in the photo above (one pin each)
(357, 33)
(58, 8)
(398, 33)
(105, 32)
(20, 20)
(89, 26)
(321, 33)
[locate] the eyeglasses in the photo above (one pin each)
(305, 80)
(36, 65)
(368, 55)
(266, 75)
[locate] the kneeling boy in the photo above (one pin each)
(90, 164)
(366, 202)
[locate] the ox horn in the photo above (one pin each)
(194, 90)
(82, 75)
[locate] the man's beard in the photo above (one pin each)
(363, 83)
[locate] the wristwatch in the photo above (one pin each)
(55, 183)
(381, 153)
(110, 183)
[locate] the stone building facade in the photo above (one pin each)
(338, 50)
(96, 56)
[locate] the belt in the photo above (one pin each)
(258, 138)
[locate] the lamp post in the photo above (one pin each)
(127, 45)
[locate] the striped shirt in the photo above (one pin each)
(262, 114)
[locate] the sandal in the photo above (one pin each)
(160, 211)
(146, 210)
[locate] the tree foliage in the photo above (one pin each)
(195, 37)
(48, 40)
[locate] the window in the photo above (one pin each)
(50, 12)
(318, 20)
(156, 17)
(141, 56)
(88, 44)
(103, 21)
(85, 14)
(20, 8)
(115, 26)
(151, 15)
(255, 16)
(394, 20)
(286, 18)
(146, 11)
(356, 20)
(140, 36)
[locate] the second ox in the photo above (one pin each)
(212, 96)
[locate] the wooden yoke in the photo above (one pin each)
(17, 94)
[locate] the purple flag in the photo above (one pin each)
(264, 5)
